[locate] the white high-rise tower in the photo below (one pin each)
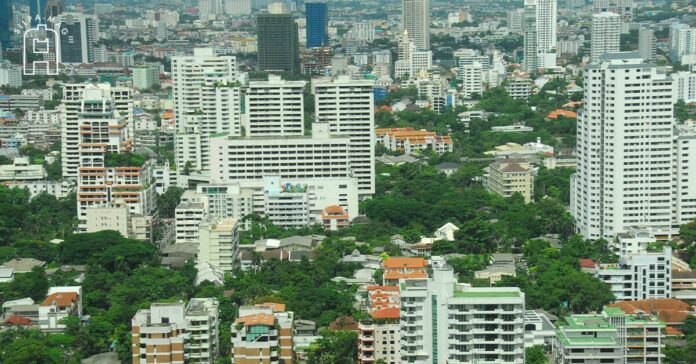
(541, 15)
(207, 100)
(625, 143)
(606, 32)
(347, 106)
(415, 18)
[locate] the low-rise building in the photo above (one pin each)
(538, 330)
(587, 339)
(397, 268)
(263, 334)
(639, 276)
(119, 218)
(507, 177)
(408, 140)
(60, 302)
(22, 170)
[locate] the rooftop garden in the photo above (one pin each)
(124, 160)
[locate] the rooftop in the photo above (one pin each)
(486, 293)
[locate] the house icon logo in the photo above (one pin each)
(41, 47)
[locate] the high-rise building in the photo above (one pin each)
(37, 11)
(605, 34)
(515, 20)
(176, 333)
(529, 32)
(415, 19)
(624, 8)
(103, 177)
(682, 43)
(277, 42)
(317, 25)
(684, 86)
(207, 100)
(347, 106)
(122, 100)
(624, 162)
(442, 321)
(54, 8)
(218, 243)
(81, 33)
(10, 75)
(363, 31)
(209, 9)
(6, 22)
(540, 27)
(647, 44)
(145, 76)
(290, 157)
(237, 7)
(472, 79)
(275, 107)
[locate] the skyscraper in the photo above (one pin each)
(317, 25)
(277, 42)
(682, 43)
(5, 23)
(415, 18)
(37, 10)
(647, 44)
(81, 34)
(529, 30)
(624, 162)
(540, 48)
(606, 29)
(275, 107)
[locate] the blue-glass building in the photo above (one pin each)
(37, 7)
(5, 23)
(317, 25)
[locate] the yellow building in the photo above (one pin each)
(509, 176)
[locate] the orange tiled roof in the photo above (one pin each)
(671, 331)
(560, 112)
(61, 299)
(18, 320)
(398, 275)
(258, 319)
(667, 309)
(382, 288)
(386, 313)
(276, 307)
(382, 131)
(169, 114)
(403, 262)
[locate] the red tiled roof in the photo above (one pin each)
(382, 288)
(669, 310)
(588, 263)
(18, 320)
(398, 275)
(386, 313)
(258, 319)
(560, 112)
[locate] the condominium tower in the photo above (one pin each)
(347, 106)
(605, 34)
(207, 100)
(317, 25)
(540, 28)
(275, 107)
(625, 141)
(444, 322)
(415, 18)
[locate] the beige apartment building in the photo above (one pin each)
(262, 334)
(506, 177)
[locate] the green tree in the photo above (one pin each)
(535, 355)
(334, 347)
(168, 201)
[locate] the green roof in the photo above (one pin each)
(587, 341)
(403, 286)
(614, 311)
(588, 322)
(481, 294)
